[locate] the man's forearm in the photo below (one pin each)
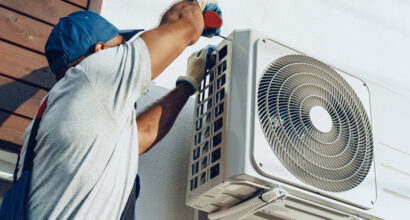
(157, 120)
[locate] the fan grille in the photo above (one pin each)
(337, 160)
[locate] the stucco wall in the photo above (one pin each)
(369, 38)
(163, 169)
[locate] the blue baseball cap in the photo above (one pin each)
(76, 35)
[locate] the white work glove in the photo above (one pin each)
(203, 3)
(198, 63)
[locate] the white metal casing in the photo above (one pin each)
(247, 163)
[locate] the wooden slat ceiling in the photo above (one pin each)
(81, 3)
(25, 76)
(24, 31)
(48, 11)
(17, 62)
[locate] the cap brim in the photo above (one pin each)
(128, 34)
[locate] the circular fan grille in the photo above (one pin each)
(335, 159)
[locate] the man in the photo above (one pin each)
(89, 137)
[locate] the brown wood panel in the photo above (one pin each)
(12, 130)
(19, 97)
(14, 122)
(10, 139)
(82, 3)
(46, 10)
(27, 23)
(95, 5)
(26, 65)
(23, 30)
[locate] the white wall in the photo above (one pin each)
(391, 128)
(367, 38)
(163, 169)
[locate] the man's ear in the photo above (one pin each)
(99, 46)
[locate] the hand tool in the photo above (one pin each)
(214, 21)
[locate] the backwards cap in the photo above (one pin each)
(76, 35)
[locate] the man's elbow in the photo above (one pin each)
(193, 21)
(186, 16)
(194, 29)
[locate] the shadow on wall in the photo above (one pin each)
(163, 170)
(13, 94)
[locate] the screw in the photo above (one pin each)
(372, 202)
(264, 41)
(260, 164)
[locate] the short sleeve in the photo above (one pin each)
(119, 76)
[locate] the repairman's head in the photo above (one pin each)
(79, 35)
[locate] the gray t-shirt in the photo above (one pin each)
(86, 157)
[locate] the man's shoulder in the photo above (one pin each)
(102, 59)
(114, 55)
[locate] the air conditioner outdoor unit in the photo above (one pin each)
(268, 116)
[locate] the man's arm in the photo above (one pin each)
(181, 26)
(154, 123)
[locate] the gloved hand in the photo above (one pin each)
(198, 63)
(210, 5)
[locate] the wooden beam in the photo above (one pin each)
(13, 122)
(23, 30)
(12, 128)
(25, 65)
(19, 97)
(46, 10)
(10, 139)
(95, 5)
(82, 3)
(9, 146)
